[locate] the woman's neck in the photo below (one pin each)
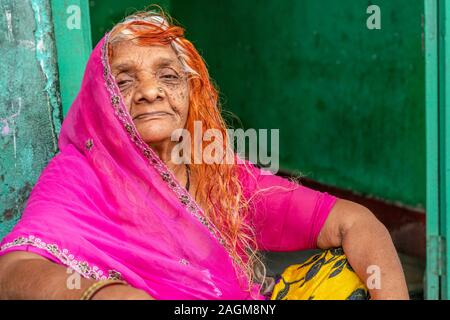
(164, 151)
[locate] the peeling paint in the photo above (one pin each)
(8, 214)
(22, 195)
(47, 60)
(5, 121)
(5, 127)
(27, 44)
(10, 34)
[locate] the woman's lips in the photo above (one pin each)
(150, 115)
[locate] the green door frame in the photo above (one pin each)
(431, 288)
(437, 84)
(72, 27)
(444, 141)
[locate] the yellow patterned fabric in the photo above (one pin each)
(324, 276)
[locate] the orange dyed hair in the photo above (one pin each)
(219, 188)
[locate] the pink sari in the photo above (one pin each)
(108, 207)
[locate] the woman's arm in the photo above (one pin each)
(368, 247)
(28, 276)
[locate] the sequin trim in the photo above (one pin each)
(184, 262)
(89, 144)
(123, 116)
(64, 256)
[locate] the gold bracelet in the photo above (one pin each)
(94, 288)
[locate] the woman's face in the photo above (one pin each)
(154, 88)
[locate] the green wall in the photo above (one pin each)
(349, 101)
(29, 102)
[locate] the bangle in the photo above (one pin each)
(97, 286)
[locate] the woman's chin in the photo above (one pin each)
(156, 138)
(155, 134)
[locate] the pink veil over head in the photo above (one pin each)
(108, 207)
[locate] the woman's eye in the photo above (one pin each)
(123, 83)
(170, 76)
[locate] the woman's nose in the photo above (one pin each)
(148, 91)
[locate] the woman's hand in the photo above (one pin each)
(121, 292)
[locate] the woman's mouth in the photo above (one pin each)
(151, 115)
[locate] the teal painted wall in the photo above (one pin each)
(30, 115)
(349, 102)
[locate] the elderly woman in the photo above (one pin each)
(113, 216)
